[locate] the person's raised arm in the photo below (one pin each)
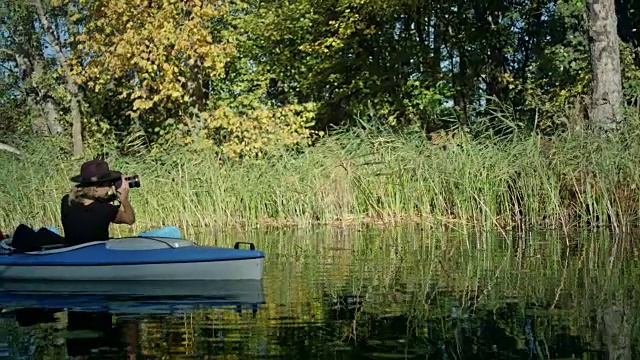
(126, 215)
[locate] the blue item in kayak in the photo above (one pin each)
(51, 228)
(165, 232)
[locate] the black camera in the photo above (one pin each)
(133, 180)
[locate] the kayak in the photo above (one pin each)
(130, 297)
(132, 258)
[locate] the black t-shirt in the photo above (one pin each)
(86, 223)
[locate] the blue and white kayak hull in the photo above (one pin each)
(135, 258)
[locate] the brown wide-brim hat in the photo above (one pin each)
(95, 172)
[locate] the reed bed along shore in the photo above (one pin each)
(356, 177)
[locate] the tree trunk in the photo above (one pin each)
(462, 87)
(605, 62)
(51, 116)
(76, 130)
(437, 46)
(76, 119)
(38, 122)
(46, 119)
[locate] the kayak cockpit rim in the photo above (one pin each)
(111, 244)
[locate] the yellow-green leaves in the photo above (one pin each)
(162, 50)
(260, 130)
(177, 64)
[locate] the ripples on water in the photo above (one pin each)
(397, 293)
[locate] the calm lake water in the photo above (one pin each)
(365, 294)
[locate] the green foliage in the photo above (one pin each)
(244, 78)
(631, 72)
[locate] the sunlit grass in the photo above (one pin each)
(357, 177)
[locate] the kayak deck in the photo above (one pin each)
(135, 258)
(99, 254)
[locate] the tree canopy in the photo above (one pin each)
(245, 77)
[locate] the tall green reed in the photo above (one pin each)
(355, 177)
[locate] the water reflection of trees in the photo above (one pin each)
(542, 300)
(421, 294)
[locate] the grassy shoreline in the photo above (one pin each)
(358, 177)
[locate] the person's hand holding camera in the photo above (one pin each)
(123, 191)
(126, 215)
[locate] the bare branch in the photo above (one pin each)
(16, 57)
(7, 51)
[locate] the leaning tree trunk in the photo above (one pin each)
(605, 62)
(76, 129)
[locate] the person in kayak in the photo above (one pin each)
(88, 210)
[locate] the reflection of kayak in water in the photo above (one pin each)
(82, 333)
(130, 296)
(93, 317)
